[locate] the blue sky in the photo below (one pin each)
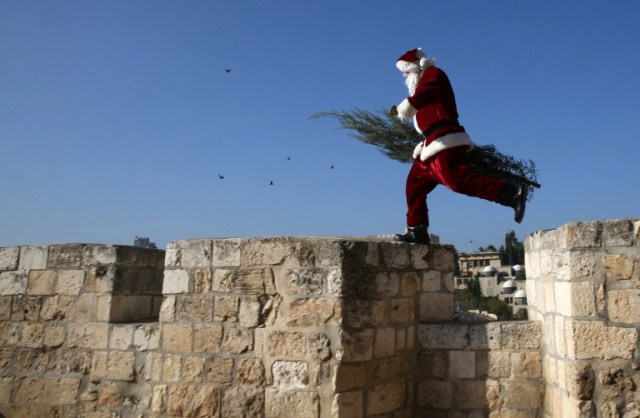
(116, 117)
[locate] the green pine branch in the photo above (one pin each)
(397, 140)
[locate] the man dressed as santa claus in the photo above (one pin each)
(441, 157)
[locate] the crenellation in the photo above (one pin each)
(315, 327)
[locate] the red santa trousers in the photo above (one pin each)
(449, 168)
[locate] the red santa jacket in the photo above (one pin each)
(433, 107)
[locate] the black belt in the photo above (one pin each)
(439, 125)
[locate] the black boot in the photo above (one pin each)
(415, 234)
(514, 196)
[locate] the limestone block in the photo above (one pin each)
(314, 312)
(255, 281)
(436, 307)
(194, 369)
(594, 339)
(581, 380)
(5, 390)
(9, 257)
(401, 339)
(520, 335)
(109, 395)
(220, 370)
(624, 306)
(27, 390)
(385, 341)
(481, 336)
(265, 251)
(494, 364)
(32, 335)
(70, 282)
(576, 298)
(57, 308)
(618, 233)
(436, 394)
(153, 366)
(101, 278)
(202, 280)
(319, 346)
(249, 315)
(386, 397)
(168, 309)
(347, 405)
(121, 366)
(5, 308)
(9, 333)
(391, 367)
(347, 377)
(88, 335)
(290, 375)
(121, 337)
(62, 391)
(617, 266)
(442, 259)
(54, 336)
(409, 283)
(387, 284)
(306, 282)
(171, 367)
(195, 253)
(222, 281)
(175, 281)
(33, 258)
(522, 394)
(471, 394)
(198, 308)
(226, 252)
(93, 255)
(238, 340)
(159, 398)
(226, 308)
(359, 313)
(420, 256)
(431, 281)
(334, 282)
(449, 336)
(402, 310)
(549, 302)
(187, 400)
(395, 255)
(580, 235)
(243, 401)
(250, 371)
(286, 345)
(41, 282)
(462, 364)
(433, 364)
(527, 365)
(356, 345)
(13, 282)
(280, 404)
(559, 337)
(177, 338)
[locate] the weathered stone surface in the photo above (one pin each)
(347, 405)
(288, 375)
(9, 258)
(226, 253)
(593, 339)
(291, 404)
(385, 341)
(386, 397)
(471, 394)
(436, 307)
(624, 306)
(220, 370)
(33, 258)
(527, 365)
(314, 312)
(618, 233)
(403, 310)
(348, 377)
(70, 282)
(290, 345)
(13, 282)
(523, 394)
(238, 340)
(243, 401)
(436, 394)
(177, 338)
(443, 336)
(250, 371)
(575, 298)
(175, 281)
(356, 345)
(580, 381)
(462, 364)
(580, 235)
(202, 280)
(193, 400)
(254, 281)
(265, 251)
(391, 367)
(520, 335)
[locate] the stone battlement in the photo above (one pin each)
(314, 327)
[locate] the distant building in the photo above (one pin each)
(143, 242)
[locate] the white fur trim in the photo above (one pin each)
(417, 150)
(456, 139)
(408, 67)
(406, 110)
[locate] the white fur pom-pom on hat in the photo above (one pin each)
(414, 60)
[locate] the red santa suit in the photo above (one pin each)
(441, 157)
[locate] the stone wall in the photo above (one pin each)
(273, 327)
(583, 286)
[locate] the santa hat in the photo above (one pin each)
(414, 60)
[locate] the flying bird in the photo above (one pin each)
(221, 177)
(271, 183)
(228, 70)
(332, 167)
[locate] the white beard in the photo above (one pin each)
(411, 80)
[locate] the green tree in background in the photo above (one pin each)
(512, 252)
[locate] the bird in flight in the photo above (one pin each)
(271, 183)
(228, 70)
(332, 167)
(221, 177)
